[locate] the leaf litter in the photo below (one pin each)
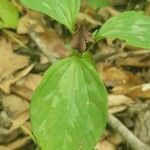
(124, 69)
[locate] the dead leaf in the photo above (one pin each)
(8, 135)
(105, 145)
(18, 143)
(5, 85)
(135, 61)
(113, 76)
(4, 148)
(15, 105)
(54, 43)
(9, 61)
(27, 85)
(117, 109)
(142, 91)
(119, 103)
(31, 21)
(20, 120)
(118, 100)
(118, 79)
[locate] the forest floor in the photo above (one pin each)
(38, 42)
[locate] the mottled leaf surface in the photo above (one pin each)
(9, 15)
(64, 11)
(132, 27)
(69, 108)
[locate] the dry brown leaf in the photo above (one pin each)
(20, 120)
(136, 61)
(7, 136)
(110, 141)
(18, 143)
(142, 91)
(119, 80)
(11, 134)
(105, 145)
(117, 109)
(113, 76)
(5, 85)
(31, 21)
(54, 43)
(15, 105)
(4, 148)
(120, 89)
(118, 100)
(27, 85)
(119, 103)
(114, 138)
(142, 126)
(9, 61)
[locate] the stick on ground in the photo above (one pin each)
(130, 138)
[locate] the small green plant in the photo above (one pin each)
(69, 108)
(9, 15)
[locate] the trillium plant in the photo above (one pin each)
(69, 108)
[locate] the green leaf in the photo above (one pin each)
(9, 15)
(64, 11)
(98, 3)
(69, 108)
(89, 58)
(131, 26)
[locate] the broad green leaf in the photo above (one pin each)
(132, 27)
(98, 3)
(9, 15)
(69, 108)
(89, 58)
(64, 11)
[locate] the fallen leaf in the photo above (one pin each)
(30, 21)
(4, 148)
(27, 85)
(142, 91)
(5, 85)
(118, 100)
(135, 61)
(18, 143)
(105, 145)
(113, 76)
(7, 136)
(54, 43)
(9, 61)
(15, 105)
(20, 120)
(117, 109)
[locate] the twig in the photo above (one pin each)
(132, 140)
(47, 52)
(14, 38)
